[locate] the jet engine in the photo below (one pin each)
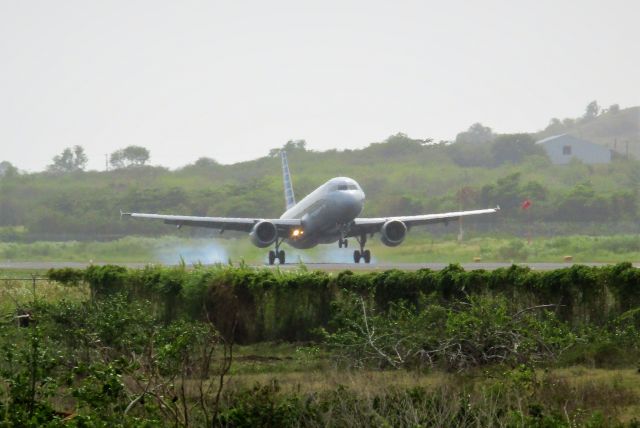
(263, 234)
(393, 233)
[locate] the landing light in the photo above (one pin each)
(297, 233)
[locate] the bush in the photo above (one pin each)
(480, 332)
(261, 305)
(514, 251)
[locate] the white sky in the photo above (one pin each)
(232, 79)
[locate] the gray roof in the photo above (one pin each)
(553, 137)
(571, 138)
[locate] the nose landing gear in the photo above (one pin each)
(362, 253)
(343, 243)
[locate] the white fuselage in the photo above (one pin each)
(326, 213)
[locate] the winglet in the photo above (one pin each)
(289, 197)
(123, 214)
(497, 208)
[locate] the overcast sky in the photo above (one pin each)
(231, 80)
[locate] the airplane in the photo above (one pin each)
(327, 215)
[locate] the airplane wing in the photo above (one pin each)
(222, 223)
(372, 225)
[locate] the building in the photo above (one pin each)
(562, 148)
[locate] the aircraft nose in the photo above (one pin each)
(350, 205)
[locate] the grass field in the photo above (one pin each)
(417, 248)
(18, 291)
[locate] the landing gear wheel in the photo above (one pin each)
(277, 254)
(346, 243)
(365, 254)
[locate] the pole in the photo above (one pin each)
(529, 221)
(33, 281)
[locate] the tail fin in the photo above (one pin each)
(289, 197)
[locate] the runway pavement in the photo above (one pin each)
(329, 267)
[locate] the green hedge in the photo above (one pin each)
(262, 304)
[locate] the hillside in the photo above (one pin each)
(617, 129)
(399, 175)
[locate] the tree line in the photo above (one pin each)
(74, 159)
(400, 175)
(418, 178)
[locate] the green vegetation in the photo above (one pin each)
(418, 248)
(243, 347)
(419, 176)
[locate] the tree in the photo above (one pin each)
(507, 192)
(70, 160)
(8, 170)
(129, 156)
(476, 134)
(290, 147)
(592, 110)
(514, 148)
(555, 126)
(293, 145)
(205, 162)
(201, 164)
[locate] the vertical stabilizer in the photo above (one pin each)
(289, 197)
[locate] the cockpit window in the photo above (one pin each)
(347, 187)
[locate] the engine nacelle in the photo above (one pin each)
(263, 234)
(392, 233)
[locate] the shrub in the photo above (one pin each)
(480, 332)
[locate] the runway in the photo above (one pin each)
(328, 267)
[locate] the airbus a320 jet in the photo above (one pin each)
(327, 215)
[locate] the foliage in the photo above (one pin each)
(129, 156)
(251, 305)
(482, 331)
(8, 170)
(291, 146)
(27, 370)
(514, 148)
(592, 110)
(114, 361)
(476, 134)
(123, 359)
(420, 176)
(514, 251)
(70, 160)
(514, 398)
(66, 276)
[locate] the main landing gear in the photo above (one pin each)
(362, 253)
(277, 254)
